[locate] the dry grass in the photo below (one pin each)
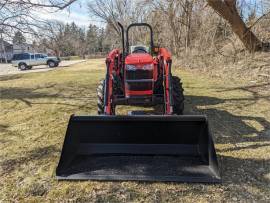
(243, 65)
(35, 109)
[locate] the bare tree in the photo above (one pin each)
(52, 35)
(227, 9)
(112, 11)
(175, 16)
(19, 15)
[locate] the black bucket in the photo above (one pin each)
(145, 148)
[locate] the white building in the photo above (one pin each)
(21, 48)
(7, 50)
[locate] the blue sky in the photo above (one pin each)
(77, 13)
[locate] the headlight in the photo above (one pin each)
(148, 67)
(131, 67)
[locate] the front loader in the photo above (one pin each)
(165, 147)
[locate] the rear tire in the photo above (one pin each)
(178, 96)
(51, 64)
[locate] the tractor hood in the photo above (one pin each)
(140, 58)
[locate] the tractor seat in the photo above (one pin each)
(139, 49)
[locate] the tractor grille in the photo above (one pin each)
(139, 86)
(139, 74)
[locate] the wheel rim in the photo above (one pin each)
(23, 67)
(51, 64)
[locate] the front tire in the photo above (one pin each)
(23, 66)
(178, 96)
(100, 97)
(100, 102)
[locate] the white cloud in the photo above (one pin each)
(77, 13)
(67, 17)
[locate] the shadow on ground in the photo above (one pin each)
(232, 127)
(28, 95)
(228, 128)
(10, 77)
(37, 154)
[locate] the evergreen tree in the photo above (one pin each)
(18, 38)
(92, 39)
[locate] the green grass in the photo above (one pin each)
(35, 109)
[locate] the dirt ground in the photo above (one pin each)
(35, 109)
(8, 69)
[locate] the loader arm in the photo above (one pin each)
(165, 60)
(113, 63)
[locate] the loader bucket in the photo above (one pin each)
(145, 148)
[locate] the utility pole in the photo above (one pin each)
(3, 45)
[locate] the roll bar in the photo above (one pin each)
(125, 45)
(123, 41)
(140, 25)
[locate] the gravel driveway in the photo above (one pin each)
(8, 69)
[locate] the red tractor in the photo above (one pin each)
(165, 147)
(138, 75)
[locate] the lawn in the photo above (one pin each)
(35, 109)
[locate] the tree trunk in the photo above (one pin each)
(188, 8)
(227, 9)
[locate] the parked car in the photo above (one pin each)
(26, 61)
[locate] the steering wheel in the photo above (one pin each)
(140, 50)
